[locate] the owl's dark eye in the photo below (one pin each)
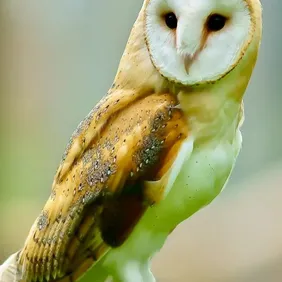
(216, 22)
(171, 20)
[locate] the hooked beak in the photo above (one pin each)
(188, 60)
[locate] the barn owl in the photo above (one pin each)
(157, 148)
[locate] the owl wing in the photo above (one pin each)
(96, 202)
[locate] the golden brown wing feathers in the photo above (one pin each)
(97, 195)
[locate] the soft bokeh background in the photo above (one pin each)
(57, 59)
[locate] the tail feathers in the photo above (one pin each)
(9, 271)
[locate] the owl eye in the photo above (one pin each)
(171, 20)
(216, 22)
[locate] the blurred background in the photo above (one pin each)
(58, 58)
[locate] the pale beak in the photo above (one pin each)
(188, 60)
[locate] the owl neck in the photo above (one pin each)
(216, 111)
(211, 117)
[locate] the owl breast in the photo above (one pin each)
(203, 176)
(199, 180)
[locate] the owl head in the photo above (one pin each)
(199, 41)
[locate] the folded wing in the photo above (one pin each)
(100, 194)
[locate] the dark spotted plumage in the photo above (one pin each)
(97, 195)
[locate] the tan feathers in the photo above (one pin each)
(103, 181)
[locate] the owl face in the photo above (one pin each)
(197, 41)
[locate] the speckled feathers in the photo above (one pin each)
(158, 147)
(128, 149)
